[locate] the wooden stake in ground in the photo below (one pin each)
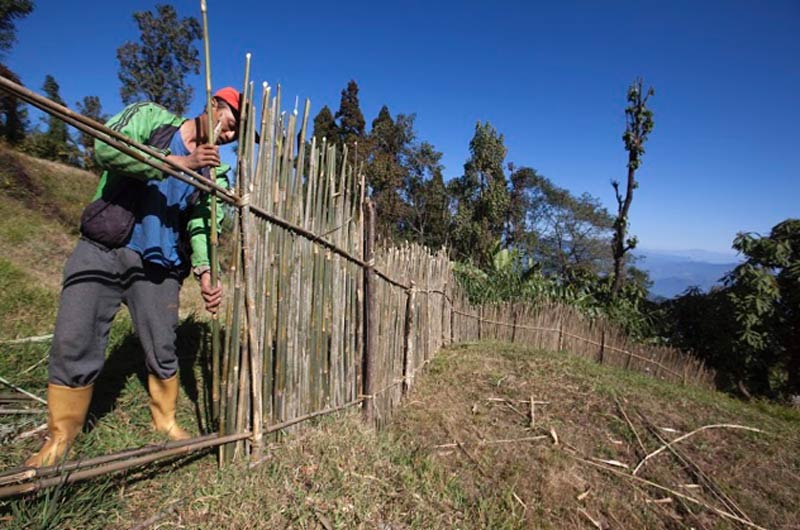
(215, 362)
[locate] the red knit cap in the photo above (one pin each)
(231, 96)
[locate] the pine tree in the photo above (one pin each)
(156, 69)
(325, 126)
(383, 169)
(91, 108)
(482, 198)
(10, 11)
(351, 119)
(13, 116)
(55, 143)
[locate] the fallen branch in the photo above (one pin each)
(491, 442)
(672, 492)
(533, 413)
(698, 472)
(630, 424)
(28, 340)
(37, 363)
(22, 391)
(687, 435)
(516, 400)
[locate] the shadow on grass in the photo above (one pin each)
(126, 358)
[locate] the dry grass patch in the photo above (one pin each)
(478, 398)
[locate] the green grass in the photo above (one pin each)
(339, 474)
(27, 308)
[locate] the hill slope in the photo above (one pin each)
(465, 453)
(40, 207)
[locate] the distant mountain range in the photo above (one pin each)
(672, 272)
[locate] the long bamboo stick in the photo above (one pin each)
(214, 237)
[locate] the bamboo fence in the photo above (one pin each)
(318, 317)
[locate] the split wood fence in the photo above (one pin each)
(317, 317)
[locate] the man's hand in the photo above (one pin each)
(212, 296)
(203, 156)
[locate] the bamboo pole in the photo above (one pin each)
(214, 239)
(370, 313)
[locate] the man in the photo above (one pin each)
(135, 237)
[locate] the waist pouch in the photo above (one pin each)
(109, 220)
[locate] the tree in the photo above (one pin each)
(156, 69)
(571, 233)
(55, 143)
(325, 126)
(427, 218)
(91, 108)
(351, 119)
(383, 153)
(13, 117)
(10, 12)
(481, 197)
(765, 293)
(639, 124)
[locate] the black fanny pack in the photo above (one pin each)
(109, 220)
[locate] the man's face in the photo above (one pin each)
(226, 121)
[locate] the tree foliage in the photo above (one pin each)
(325, 126)
(55, 143)
(10, 12)
(90, 107)
(13, 115)
(351, 120)
(748, 330)
(765, 293)
(639, 124)
(566, 234)
(481, 198)
(155, 69)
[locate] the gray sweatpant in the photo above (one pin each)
(96, 282)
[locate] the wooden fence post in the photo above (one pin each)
(408, 350)
(370, 313)
(602, 346)
(561, 334)
(514, 326)
(444, 313)
(480, 322)
(452, 320)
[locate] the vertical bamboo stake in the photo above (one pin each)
(370, 313)
(514, 327)
(250, 313)
(408, 342)
(602, 346)
(215, 361)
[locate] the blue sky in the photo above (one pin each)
(723, 156)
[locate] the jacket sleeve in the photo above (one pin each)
(137, 122)
(199, 226)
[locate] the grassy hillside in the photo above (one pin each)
(464, 453)
(40, 208)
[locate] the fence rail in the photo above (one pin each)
(317, 317)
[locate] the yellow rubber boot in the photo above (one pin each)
(66, 412)
(163, 399)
